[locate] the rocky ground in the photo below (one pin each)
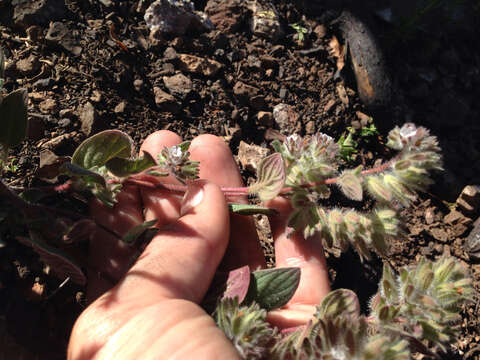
(91, 65)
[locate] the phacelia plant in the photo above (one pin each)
(414, 310)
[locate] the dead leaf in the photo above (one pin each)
(337, 50)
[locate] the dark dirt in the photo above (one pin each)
(96, 68)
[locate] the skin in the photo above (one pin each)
(150, 310)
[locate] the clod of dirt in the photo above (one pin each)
(178, 85)
(29, 65)
(286, 118)
(175, 17)
(265, 21)
(59, 34)
(227, 16)
(250, 156)
(198, 65)
(472, 243)
(38, 12)
(165, 101)
(88, 118)
(469, 200)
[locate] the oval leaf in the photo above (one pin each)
(13, 118)
(134, 233)
(351, 185)
(238, 282)
(339, 302)
(273, 288)
(125, 167)
(270, 177)
(61, 263)
(98, 149)
(249, 209)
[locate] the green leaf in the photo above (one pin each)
(125, 167)
(62, 264)
(99, 148)
(273, 288)
(78, 171)
(134, 233)
(350, 183)
(270, 177)
(13, 118)
(339, 302)
(249, 209)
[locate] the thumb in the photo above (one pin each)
(180, 261)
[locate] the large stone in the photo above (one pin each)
(198, 65)
(472, 243)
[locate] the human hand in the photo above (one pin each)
(153, 312)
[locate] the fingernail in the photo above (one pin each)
(192, 198)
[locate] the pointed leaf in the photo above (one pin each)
(75, 170)
(238, 283)
(134, 233)
(125, 167)
(13, 118)
(339, 302)
(62, 264)
(273, 288)
(351, 185)
(98, 149)
(249, 209)
(270, 177)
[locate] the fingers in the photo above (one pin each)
(158, 204)
(181, 260)
(307, 254)
(217, 165)
(109, 257)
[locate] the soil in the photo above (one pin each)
(97, 68)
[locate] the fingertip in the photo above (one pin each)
(155, 142)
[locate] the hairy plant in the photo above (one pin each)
(420, 304)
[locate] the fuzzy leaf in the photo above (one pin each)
(135, 232)
(62, 264)
(99, 148)
(125, 167)
(378, 189)
(75, 170)
(249, 209)
(270, 177)
(351, 185)
(339, 302)
(13, 118)
(238, 283)
(273, 288)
